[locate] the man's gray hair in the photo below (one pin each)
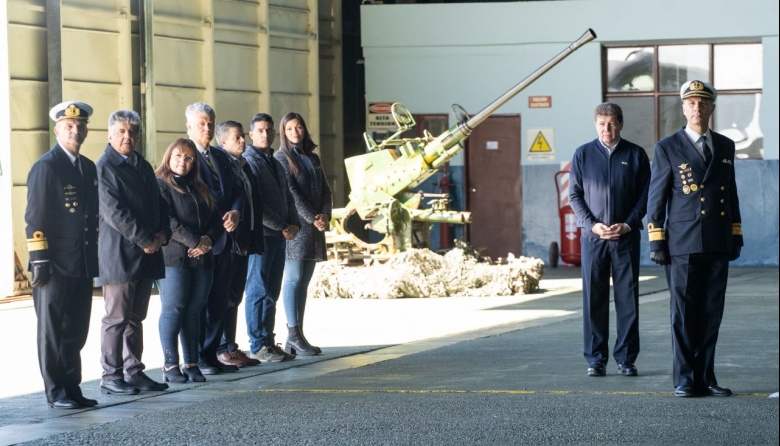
(223, 129)
(199, 108)
(128, 117)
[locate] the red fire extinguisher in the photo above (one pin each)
(570, 249)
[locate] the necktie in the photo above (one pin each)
(214, 174)
(77, 165)
(705, 150)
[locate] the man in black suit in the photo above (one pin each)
(62, 233)
(695, 229)
(228, 193)
(134, 225)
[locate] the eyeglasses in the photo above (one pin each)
(186, 158)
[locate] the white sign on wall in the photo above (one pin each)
(379, 116)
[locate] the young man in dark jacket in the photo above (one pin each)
(280, 223)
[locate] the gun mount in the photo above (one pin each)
(384, 214)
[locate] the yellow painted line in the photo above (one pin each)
(493, 392)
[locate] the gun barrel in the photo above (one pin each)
(490, 109)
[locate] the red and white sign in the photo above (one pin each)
(379, 116)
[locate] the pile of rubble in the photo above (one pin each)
(423, 273)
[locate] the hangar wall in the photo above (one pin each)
(471, 53)
(156, 57)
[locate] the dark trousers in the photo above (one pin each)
(215, 311)
(620, 259)
(63, 309)
(122, 336)
(235, 297)
(697, 284)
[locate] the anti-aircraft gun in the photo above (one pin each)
(384, 214)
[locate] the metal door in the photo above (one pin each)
(494, 185)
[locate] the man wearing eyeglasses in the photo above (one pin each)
(695, 229)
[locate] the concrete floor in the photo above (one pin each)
(484, 370)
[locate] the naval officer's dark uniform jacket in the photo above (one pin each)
(693, 214)
(62, 229)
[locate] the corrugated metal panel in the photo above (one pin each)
(157, 57)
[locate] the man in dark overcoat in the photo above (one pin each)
(62, 234)
(695, 229)
(133, 226)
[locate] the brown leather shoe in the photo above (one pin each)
(230, 359)
(241, 356)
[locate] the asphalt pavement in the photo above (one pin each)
(438, 371)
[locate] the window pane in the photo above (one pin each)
(630, 69)
(738, 66)
(638, 116)
(670, 116)
(678, 64)
(736, 116)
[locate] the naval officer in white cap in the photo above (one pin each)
(695, 229)
(62, 234)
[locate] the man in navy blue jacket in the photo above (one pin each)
(608, 186)
(695, 229)
(228, 194)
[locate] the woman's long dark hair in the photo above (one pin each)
(306, 145)
(164, 172)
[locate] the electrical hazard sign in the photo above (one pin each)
(540, 144)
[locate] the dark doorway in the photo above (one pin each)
(494, 186)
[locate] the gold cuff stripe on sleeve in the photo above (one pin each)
(657, 236)
(736, 229)
(38, 242)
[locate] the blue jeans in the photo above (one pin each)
(297, 275)
(263, 286)
(183, 293)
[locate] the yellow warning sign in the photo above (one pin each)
(540, 145)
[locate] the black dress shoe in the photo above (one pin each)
(84, 402)
(64, 403)
(627, 369)
(716, 390)
(208, 369)
(684, 391)
(143, 382)
(597, 369)
(226, 368)
(118, 387)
